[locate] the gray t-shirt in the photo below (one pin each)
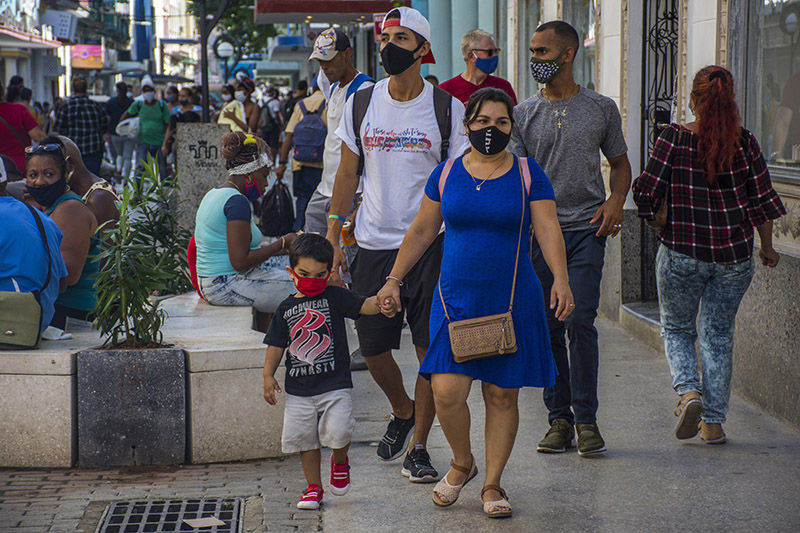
(570, 156)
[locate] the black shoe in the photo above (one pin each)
(417, 467)
(395, 441)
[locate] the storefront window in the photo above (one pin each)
(772, 102)
(582, 15)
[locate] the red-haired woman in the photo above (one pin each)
(716, 184)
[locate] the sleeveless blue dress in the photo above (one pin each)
(480, 246)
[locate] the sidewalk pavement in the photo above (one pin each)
(647, 481)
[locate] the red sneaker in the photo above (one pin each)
(311, 498)
(340, 477)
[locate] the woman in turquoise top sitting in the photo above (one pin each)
(48, 174)
(232, 266)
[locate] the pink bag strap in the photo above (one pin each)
(443, 178)
(526, 174)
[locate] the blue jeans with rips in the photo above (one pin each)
(264, 286)
(683, 283)
(574, 395)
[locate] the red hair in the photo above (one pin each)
(718, 120)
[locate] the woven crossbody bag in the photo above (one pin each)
(485, 336)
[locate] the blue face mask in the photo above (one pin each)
(487, 65)
(251, 191)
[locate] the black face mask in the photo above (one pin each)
(396, 59)
(184, 103)
(490, 140)
(48, 194)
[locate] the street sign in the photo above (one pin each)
(377, 18)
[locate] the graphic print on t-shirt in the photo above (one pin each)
(311, 346)
(310, 337)
(408, 140)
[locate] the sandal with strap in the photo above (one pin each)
(451, 492)
(497, 508)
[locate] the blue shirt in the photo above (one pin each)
(23, 257)
(218, 207)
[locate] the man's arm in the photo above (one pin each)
(611, 210)
(344, 190)
(283, 153)
(36, 134)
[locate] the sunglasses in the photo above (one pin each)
(41, 147)
(491, 51)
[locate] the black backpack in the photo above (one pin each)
(268, 122)
(277, 212)
(441, 106)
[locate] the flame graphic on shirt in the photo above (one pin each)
(308, 344)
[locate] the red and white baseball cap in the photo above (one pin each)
(413, 20)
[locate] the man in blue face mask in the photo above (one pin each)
(482, 57)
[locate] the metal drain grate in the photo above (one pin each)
(168, 515)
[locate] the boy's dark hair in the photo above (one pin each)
(564, 32)
(481, 96)
(311, 245)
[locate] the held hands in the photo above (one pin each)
(270, 388)
(611, 213)
(561, 300)
(769, 257)
(389, 298)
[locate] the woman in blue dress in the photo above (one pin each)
(481, 200)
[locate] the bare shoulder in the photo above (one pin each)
(74, 215)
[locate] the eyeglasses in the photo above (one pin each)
(491, 51)
(38, 147)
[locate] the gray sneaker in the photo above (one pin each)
(357, 361)
(589, 439)
(558, 438)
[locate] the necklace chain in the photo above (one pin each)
(559, 114)
(234, 185)
(478, 185)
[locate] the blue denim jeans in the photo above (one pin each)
(575, 389)
(263, 287)
(683, 283)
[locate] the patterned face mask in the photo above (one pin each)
(543, 70)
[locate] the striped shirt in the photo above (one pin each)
(712, 223)
(84, 121)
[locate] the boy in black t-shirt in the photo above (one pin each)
(319, 409)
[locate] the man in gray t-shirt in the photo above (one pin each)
(565, 127)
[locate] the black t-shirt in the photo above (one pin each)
(318, 359)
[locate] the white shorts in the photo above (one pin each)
(310, 422)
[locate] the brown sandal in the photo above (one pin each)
(497, 508)
(451, 492)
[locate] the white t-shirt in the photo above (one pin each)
(333, 144)
(402, 145)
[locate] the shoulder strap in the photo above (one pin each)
(526, 174)
(441, 106)
(443, 178)
(39, 224)
(16, 132)
(356, 83)
(361, 101)
(302, 107)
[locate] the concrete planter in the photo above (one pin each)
(131, 407)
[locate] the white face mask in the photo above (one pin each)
(226, 97)
(240, 96)
(130, 94)
(149, 95)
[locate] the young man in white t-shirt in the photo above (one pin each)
(401, 144)
(337, 79)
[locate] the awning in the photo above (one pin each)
(17, 39)
(329, 11)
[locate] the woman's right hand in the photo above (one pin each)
(389, 298)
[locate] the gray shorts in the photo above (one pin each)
(317, 211)
(310, 422)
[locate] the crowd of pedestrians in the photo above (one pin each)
(448, 208)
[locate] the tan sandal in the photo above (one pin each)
(497, 508)
(443, 489)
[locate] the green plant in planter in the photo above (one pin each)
(145, 253)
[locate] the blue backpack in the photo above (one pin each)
(309, 135)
